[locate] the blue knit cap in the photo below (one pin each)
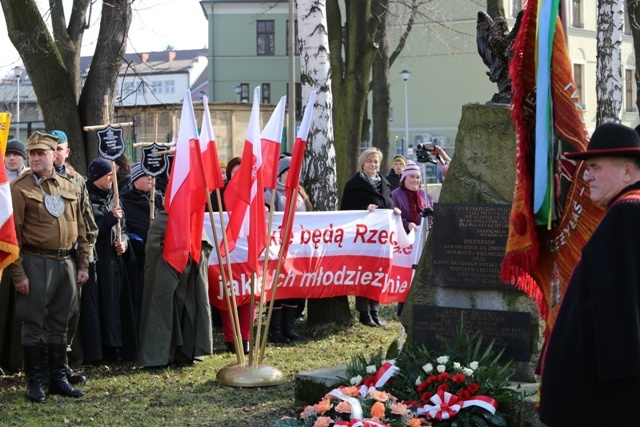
(97, 169)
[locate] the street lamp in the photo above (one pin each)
(17, 71)
(405, 76)
(238, 90)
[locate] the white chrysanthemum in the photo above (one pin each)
(441, 368)
(473, 365)
(468, 372)
(371, 369)
(356, 380)
(442, 360)
(428, 368)
(418, 380)
(456, 365)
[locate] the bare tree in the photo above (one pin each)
(610, 24)
(52, 61)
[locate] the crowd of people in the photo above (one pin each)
(79, 283)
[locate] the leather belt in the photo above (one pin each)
(58, 253)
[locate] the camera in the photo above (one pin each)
(424, 152)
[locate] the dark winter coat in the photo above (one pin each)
(107, 317)
(359, 194)
(591, 370)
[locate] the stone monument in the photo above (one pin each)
(457, 275)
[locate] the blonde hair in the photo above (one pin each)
(369, 152)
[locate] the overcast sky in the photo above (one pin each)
(155, 24)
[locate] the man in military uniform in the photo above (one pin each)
(48, 221)
(62, 153)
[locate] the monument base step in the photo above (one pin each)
(311, 386)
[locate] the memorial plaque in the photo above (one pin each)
(153, 164)
(111, 143)
(469, 244)
(510, 330)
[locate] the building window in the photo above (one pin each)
(266, 37)
(576, 14)
(578, 74)
(265, 92)
(630, 91)
(297, 44)
(516, 6)
(244, 92)
(169, 86)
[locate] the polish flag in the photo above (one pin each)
(247, 217)
(271, 138)
(8, 240)
(186, 195)
(293, 180)
(209, 150)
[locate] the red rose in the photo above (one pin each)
(422, 387)
(426, 396)
(464, 395)
(443, 377)
(432, 379)
(473, 388)
(458, 378)
(443, 387)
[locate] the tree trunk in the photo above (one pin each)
(633, 11)
(380, 93)
(609, 61)
(52, 63)
(105, 67)
(320, 179)
(350, 78)
(320, 168)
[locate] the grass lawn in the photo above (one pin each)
(122, 395)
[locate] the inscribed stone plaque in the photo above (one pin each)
(511, 330)
(469, 242)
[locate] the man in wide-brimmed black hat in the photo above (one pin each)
(591, 367)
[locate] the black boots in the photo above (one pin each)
(289, 315)
(365, 319)
(33, 371)
(72, 377)
(375, 318)
(58, 383)
(275, 327)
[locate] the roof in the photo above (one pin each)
(155, 58)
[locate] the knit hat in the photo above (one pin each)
(42, 141)
(411, 169)
(610, 139)
(62, 137)
(97, 169)
(136, 172)
(283, 165)
(15, 146)
(399, 158)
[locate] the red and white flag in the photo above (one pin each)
(293, 180)
(209, 150)
(247, 217)
(271, 138)
(186, 196)
(8, 240)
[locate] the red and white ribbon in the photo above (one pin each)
(485, 402)
(447, 405)
(384, 374)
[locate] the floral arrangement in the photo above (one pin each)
(458, 386)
